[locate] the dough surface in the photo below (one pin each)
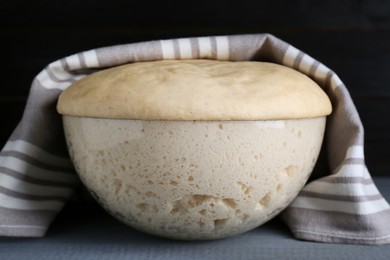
(196, 90)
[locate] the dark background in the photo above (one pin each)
(352, 37)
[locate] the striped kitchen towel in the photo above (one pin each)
(37, 178)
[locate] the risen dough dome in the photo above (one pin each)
(196, 90)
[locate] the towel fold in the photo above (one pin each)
(37, 177)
